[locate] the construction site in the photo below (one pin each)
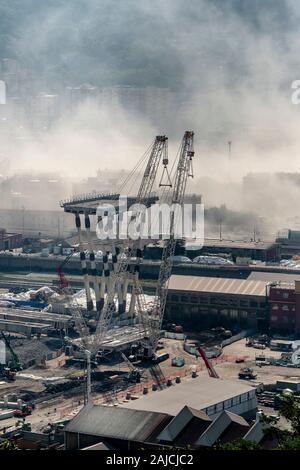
(100, 340)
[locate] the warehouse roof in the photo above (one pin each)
(199, 393)
(118, 423)
(240, 244)
(273, 277)
(217, 285)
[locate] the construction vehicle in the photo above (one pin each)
(25, 410)
(178, 361)
(246, 373)
(134, 373)
(152, 320)
(13, 365)
(91, 344)
(210, 369)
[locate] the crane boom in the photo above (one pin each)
(211, 370)
(16, 364)
(183, 171)
(158, 150)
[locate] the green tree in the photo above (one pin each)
(290, 410)
(237, 444)
(8, 444)
(289, 443)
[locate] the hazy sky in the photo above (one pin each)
(236, 58)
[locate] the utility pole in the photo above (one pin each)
(229, 159)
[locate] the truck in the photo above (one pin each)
(24, 411)
(160, 358)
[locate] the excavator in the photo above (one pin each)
(14, 365)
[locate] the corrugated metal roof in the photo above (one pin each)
(237, 244)
(184, 420)
(272, 277)
(220, 425)
(199, 393)
(217, 285)
(119, 423)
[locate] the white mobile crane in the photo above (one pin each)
(92, 343)
(153, 321)
(159, 150)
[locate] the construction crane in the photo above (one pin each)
(159, 150)
(63, 283)
(90, 344)
(134, 373)
(211, 370)
(153, 321)
(79, 320)
(15, 364)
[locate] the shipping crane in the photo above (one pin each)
(153, 321)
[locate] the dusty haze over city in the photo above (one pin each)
(226, 68)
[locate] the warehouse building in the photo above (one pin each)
(256, 250)
(212, 396)
(196, 413)
(9, 241)
(205, 302)
(284, 306)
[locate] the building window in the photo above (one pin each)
(184, 298)
(244, 303)
(273, 318)
(285, 295)
(194, 300)
(274, 307)
(211, 410)
(227, 404)
(174, 298)
(204, 300)
(285, 308)
(220, 406)
(235, 401)
(253, 303)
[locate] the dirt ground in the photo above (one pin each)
(54, 409)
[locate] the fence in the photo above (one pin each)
(233, 339)
(117, 397)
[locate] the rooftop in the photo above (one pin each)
(217, 285)
(118, 423)
(199, 394)
(273, 277)
(241, 244)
